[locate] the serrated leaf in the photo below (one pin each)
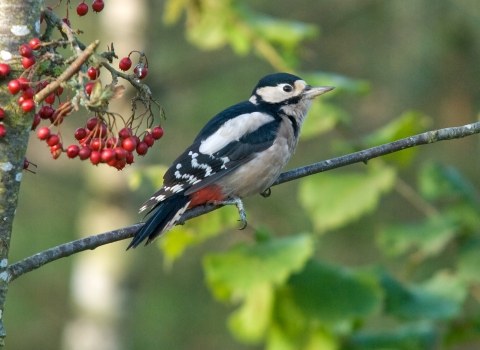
(468, 263)
(417, 302)
(250, 322)
(408, 124)
(429, 237)
(334, 294)
(341, 83)
(332, 201)
(322, 118)
(417, 336)
(245, 267)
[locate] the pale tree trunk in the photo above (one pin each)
(19, 22)
(97, 291)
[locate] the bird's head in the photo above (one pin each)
(285, 88)
(287, 93)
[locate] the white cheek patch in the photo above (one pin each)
(276, 94)
(233, 130)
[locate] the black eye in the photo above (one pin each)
(287, 88)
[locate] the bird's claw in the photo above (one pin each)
(266, 193)
(239, 204)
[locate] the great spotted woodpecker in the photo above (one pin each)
(238, 153)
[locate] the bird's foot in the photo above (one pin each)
(266, 193)
(241, 211)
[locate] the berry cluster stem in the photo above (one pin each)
(68, 73)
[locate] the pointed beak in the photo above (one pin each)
(311, 92)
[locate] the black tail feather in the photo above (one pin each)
(161, 217)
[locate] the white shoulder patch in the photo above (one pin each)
(233, 130)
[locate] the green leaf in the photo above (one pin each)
(173, 10)
(278, 31)
(429, 236)
(153, 174)
(341, 83)
(250, 322)
(334, 200)
(408, 124)
(417, 302)
(322, 118)
(246, 267)
(334, 294)
(417, 336)
(196, 231)
(448, 286)
(438, 180)
(468, 262)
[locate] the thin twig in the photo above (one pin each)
(68, 73)
(31, 263)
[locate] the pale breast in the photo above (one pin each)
(261, 172)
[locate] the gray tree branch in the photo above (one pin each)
(31, 263)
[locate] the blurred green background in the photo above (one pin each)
(403, 55)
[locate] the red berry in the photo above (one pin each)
(157, 132)
(34, 43)
(72, 151)
(42, 86)
(82, 9)
(28, 93)
(56, 119)
(129, 144)
(4, 70)
(24, 83)
(2, 114)
(50, 99)
(89, 88)
(53, 140)
(46, 112)
(25, 51)
(3, 130)
(93, 73)
(107, 155)
(129, 158)
(112, 162)
(14, 86)
(20, 100)
(97, 5)
(97, 144)
(27, 62)
(80, 133)
(101, 131)
(92, 123)
(142, 148)
(140, 72)
(43, 133)
(125, 63)
(56, 150)
(95, 157)
(125, 133)
(36, 121)
(84, 152)
(26, 163)
(28, 105)
(148, 139)
(66, 21)
(120, 153)
(111, 142)
(120, 164)
(136, 139)
(59, 91)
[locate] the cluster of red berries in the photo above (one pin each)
(95, 144)
(82, 8)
